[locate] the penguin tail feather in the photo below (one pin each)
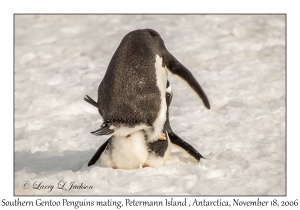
(103, 130)
(90, 101)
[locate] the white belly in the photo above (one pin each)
(132, 153)
(127, 153)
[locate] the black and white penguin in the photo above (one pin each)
(131, 96)
(135, 151)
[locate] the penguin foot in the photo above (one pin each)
(145, 165)
(162, 136)
(114, 167)
(127, 136)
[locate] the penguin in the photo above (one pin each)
(131, 96)
(118, 152)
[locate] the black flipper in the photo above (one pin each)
(175, 67)
(176, 139)
(159, 147)
(184, 145)
(97, 155)
(90, 101)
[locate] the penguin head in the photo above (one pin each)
(144, 40)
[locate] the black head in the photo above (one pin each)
(144, 39)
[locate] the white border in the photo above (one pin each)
(8, 8)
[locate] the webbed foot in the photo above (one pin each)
(162, 136)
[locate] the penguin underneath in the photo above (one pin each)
(131, 96)
(121, 152)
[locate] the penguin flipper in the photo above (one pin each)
(159, 147)
(103, 130)
(185, 146)
(90, 101)
(97, 155)
(176, 68)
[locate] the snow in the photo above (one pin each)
(239, 60)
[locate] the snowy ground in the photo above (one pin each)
(238, 60)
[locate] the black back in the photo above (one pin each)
(128, 93)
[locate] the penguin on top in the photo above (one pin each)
(131, 96)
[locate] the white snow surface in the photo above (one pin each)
(239, 60)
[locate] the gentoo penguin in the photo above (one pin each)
(131, 96)
(120, 152)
